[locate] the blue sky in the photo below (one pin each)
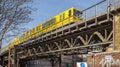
(46, 9)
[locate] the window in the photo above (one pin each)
(48, 23)
(30, 32)
(37, 28)
(43, 25)
(22, 36)
(33, 30)
(60, 17)
(77, 13)
(53, 20)
(27, 32)
(63, 16)
(69, 13)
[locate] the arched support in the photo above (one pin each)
(82, 40)
(110, 35)
(99, 35)
(15, 57)
(48, 47)
(40, 48)
(57, 45)
(68, 42)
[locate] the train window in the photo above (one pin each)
(60, 17)
(27, 32)
(37, 28)
(63, 16)
(30, 32)
(77, 13)
(69, 13)
(48, 23)
(53, 21)
(21, 36)
(33, 29)
(43, 25)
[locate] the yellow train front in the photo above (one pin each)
(69, 16)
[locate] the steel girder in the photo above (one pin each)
(90, 39)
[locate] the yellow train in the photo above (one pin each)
(68, 16)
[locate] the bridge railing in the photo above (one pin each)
(94, 10)
(104, 6)
(116, 4)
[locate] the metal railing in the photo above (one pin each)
(116, 4)
(94, 10)
(104, 6)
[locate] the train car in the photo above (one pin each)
(69, 16)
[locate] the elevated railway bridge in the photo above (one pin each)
(98, 29)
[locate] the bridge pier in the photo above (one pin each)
(59, 61)
(3, 64)
(22, 63)
(52, 62)
(56, 61)
(12, 58)
(116, 31)
(15, 58)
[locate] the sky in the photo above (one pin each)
(45, 9)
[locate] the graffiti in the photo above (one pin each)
(108, 61)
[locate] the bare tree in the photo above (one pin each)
(14, 14)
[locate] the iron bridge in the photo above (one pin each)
(93, 33)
